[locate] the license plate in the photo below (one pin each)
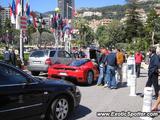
(37, 62)
(64, 74)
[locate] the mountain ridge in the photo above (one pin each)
(112, 11)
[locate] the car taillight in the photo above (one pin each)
(48, 61)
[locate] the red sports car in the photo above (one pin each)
(83, 70)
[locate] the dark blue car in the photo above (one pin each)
(23, 96)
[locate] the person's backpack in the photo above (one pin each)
(120, 58)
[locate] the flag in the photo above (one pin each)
(34, 19)
(13, 7)
(74, 12)
(18, 7)
(55, 21)
(13, 21)
(27, 9)
(18, 12)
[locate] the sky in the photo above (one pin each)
(49, 5)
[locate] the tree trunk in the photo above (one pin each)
(153, 34)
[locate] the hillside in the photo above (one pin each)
(118, 11)
(114, 11)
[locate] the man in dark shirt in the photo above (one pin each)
(13, 57)
(111, 63)
(153, 71)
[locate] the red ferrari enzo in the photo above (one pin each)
(83, 70)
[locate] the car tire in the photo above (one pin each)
(35, 73)
(90, 77)
(59, 109)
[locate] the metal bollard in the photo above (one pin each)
(147, 101)
(133, 85)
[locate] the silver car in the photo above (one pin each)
(40, 60)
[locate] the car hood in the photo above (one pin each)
(57, 82)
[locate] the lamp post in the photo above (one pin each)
(21, 36)
(7, 38)
(55, 27)
(40, 28)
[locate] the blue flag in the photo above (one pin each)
(13, 7)
(27, 8)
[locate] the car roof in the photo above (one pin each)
(48, 50)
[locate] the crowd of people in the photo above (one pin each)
(111, 63)
(10, 57)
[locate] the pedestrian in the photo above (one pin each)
(101, 66)
(13, 57)
(19, 62)
(138, 60)
(110, 61)
(153, 71)
(81, 53)
(120, 61)
(7, 56)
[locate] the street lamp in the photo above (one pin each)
(7, 38)
(40, 28)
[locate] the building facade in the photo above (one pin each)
(4, 14)
(89, 14)
(66, 7)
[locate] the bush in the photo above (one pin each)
(26, 57)
(1, 57)
(122, 45)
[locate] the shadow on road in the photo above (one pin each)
(80, 112)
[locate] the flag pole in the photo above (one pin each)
(21, 34)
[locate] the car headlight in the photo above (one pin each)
(77, 90)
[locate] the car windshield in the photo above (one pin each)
(39, 53)
(77, 63)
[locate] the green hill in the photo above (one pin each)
(116, 11)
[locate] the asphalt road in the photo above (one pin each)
(99, 99)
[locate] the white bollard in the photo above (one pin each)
(147, 101)
(124, 72)
(132, 86)
(129, 76)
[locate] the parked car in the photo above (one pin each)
(40, 60)
(23, 96)
(82, 70)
